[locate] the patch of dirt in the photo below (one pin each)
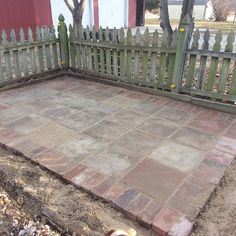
(219, 216)
(34, 194)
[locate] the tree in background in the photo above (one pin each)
(222, 8)
(152, 4)
(76, 8)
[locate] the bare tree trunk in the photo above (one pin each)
(165, 20)
(187, 8)
(77, 10)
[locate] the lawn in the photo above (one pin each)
(225, 26)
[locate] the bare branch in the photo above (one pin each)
(69, 6)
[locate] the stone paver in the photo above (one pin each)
(158, 160)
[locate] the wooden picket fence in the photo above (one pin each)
(210, 73)
(27, 53)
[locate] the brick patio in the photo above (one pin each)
(155, 158)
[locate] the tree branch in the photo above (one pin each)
(69, 6)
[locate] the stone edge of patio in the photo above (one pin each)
(163, 219)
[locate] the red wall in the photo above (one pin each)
(24, 13)
(132, 13)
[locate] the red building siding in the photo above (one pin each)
(24, 13)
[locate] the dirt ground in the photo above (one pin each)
(219, 215)
(31, 195)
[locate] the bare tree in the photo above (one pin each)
(76, 8)
(187, 8)
(222, 8)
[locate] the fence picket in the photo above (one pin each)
(89, 50)
(145, 56)
(54, 48)
(115, 52)
(25, 62)
(15, 53)
(32, 52)
(95, 51)
(122, 52)
(101, 52)
(171, 59)
(203, 60)
(226, 63)
(46, 34)
(137, 55)
(214, 62)
(162, 66)
(7, 56)
(232, 90)
(108, 52)
(129, 56)
(154, 57)
(40, 50)
(72, 46)
(192, 60)
(83, 49)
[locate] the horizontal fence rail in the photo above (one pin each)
(211, 73)
(143, 60)
(28, 53)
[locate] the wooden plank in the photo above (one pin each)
(137, 55)
(153, 74)
(208, 53)
(162, 65)
(171, 59)
(1, 69)
(72, 46)
(7, 56)
(192, 60)
(15, 54)
(101, 52)
(54, 49)
(233, 82)
(145, 75)
(129, 56)
(203, 61)
(78, 47)
(89, 50)
(95, 51)
(226, 63)
(115, 52)
(46, 35)
(214, 62)
(40, 50)
(108, 52)
(122, 52)
(32, 52)
(24, 58)
(83, 51)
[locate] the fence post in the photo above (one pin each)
(182, 44)
(63, 41)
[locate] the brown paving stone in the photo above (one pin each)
(135, 95)
(98, 96)
(231, 133)
(75, 171)
(137, 205)
(126, 198)
(138, 142)
(159, 127)
(176, 155)
(165, 220)
(120, 101)
(220, 157)
(185, 107)
(80, 146)
(106, 130)
(114, 191)
(79, 121)
(62, 168)
(174, 115)
(93, 181)
(226, 144)
(147, 216)
(149, 106)
(105, 108)
(194, 138)
(79, 90)
(154, 179)
(113, 161)
(212, 121)
(51, 135)
(128, 118)
(103, 186)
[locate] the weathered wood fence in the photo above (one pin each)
(27, 53)
(147, 60)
